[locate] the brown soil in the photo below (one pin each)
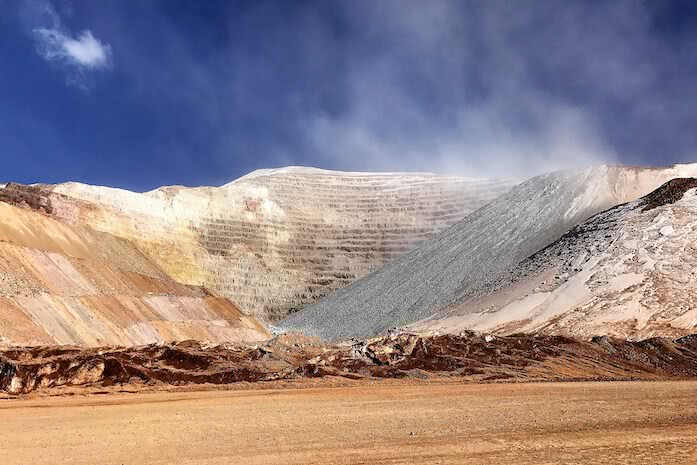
(466, 357)
(35, 197)
(550, 423)
(670, 192)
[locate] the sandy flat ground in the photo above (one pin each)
(551, 423)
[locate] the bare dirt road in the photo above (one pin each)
(550, 423)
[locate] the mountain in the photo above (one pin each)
(69, 284)
(630, 271)
(276, 240)
(465, 262)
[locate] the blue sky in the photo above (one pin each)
(139, 94)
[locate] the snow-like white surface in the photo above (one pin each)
(641, 281)
(464, 262)
(308, 170)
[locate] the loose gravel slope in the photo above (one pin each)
(466, 259)
(626, 272)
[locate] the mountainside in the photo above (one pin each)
(276, 240)
(630, 272)
(466, 261)
(63, 284)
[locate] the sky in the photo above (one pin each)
(139, 94)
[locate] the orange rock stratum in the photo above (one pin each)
(69, 284)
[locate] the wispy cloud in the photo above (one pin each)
(77, 54)
(506, 87)
(85, 51)
(456, 91)
(478, 88)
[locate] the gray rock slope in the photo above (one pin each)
(628, 272)
(468, 258)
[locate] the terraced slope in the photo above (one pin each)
(63, 284)
(276, 240)
(465, 261)
(629, 272)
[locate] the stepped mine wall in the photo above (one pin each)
(276, 241)
(63, 284)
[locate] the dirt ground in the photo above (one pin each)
(547, 423)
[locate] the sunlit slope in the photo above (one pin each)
(628, 272)
(276, 240)
(466, 260)
(62, 284)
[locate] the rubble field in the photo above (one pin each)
(468, 357)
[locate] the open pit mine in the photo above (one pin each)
(441, 320)
(102, 287)
(276, 240)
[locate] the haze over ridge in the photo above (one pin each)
(476, 88)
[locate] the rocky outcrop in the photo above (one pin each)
(467, 262)
(277, 240)
(70, 284)
(670, 192)
(467, 356)
(32, 197)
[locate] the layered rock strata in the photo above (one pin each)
(276, 240)
(69, 284)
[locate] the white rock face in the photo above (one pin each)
(629, 272)
(276, 240)
(465, 262)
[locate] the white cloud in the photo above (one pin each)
(85, 51)
(77, 54)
